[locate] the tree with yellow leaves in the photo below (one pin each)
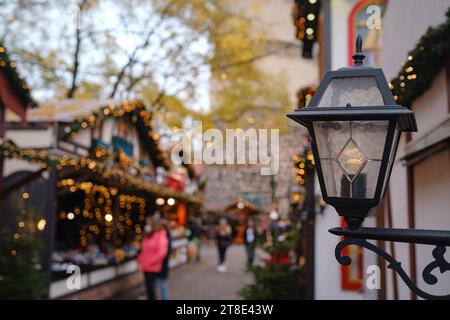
(162, 50)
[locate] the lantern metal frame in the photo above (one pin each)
(354, 210)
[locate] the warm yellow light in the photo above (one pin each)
(108, 217)
(310, 17)
(25, 195)
(160, 201)
(41, 224)
(70, 216)
(309, 31)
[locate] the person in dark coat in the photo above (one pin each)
(250, 242)
(223, 241)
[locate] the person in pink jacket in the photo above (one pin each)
(154, 249)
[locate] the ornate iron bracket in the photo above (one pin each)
(438, 238)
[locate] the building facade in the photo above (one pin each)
(419, 184)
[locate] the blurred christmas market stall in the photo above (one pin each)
(91, 172)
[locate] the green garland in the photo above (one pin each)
(20, 86)
(423, 64)
(301, 163)
(47, 160)
(134, 109)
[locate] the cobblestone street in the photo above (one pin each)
(200, 280)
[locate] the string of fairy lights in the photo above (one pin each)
(49, 160)
(95, 218)
(301, 163)
(305, 14)
(422, 65)
(132, 108)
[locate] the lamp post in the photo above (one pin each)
(355, 126)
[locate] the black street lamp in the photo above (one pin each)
(355, 127)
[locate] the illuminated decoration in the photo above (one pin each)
(241, 206)
(160, 201)
(136, 111)
(304, 96)
(305, 14)
(8, 68)
(301, 163)
(171, 201)
(48, 160)
(100, 152)
(41, 224)
(422, 64)
(95, 217)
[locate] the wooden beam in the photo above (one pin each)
(381, 244)
(411, 225)
(392, 245)
(19, 183)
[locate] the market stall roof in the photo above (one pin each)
(83, 113)
(242, 206)
(65, 110)
(15, 94)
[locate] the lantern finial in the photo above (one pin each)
(358, 56)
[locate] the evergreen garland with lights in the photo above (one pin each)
(47, 160)
(8, 67)
(134, 109)
(302, 162)
(305, 14)
(423, 64)
(304, 96)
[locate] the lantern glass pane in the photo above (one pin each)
(331, 137)
(354, 91)
(336, 182)
(391, 158)
(365, 183)
(370, 136)
(350, 154)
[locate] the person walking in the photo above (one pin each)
(223, 241)
(250, 242)
(153, 252)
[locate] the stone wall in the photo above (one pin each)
(226, 183)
